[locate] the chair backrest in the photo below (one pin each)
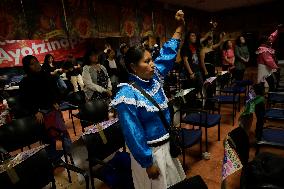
(20, 133)
(76, 98)
(95, 111)
(195, 182)
(16, 107)
(97, 149)
(34, 172)
(241, 144)
(210, 69)
(224, 80)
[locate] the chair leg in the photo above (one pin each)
(200, 147)
(66, 161)
(239, 108)
(74, 129)
(68, 171)
(234, 107)
(91, 177)
(219, 131)
(53, 185)
(71, 159)
(206, 139)
(183, 158)
(257, 149)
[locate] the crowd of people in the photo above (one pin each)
(111, 78)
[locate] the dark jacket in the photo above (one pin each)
(120, 71)
(38, 92)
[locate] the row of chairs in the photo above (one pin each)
(39, 168)
(24, 132)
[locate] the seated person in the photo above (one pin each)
(39, 95)
(49, 67)
(73, 73)
(96, 79)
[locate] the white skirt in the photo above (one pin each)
(263, 72)
(171, 171)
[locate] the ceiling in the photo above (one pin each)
(215, 5)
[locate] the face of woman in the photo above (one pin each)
(94, 59)
(242, 39)
(112, 54)
(34, 66)
(230, 44)
(125, 50)
(210, 42)
(145, 68)
(50, 59)
(192, 38)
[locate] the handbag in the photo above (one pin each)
(175, 149)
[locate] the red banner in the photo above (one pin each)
(12, 51)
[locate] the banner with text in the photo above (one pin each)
(12, 51)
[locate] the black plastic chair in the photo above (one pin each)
(210, 69)
(273, 137)
(73, 101)
(274, 98)
(36, 172)
(24, 132)
(204, 119)
(265, 171)
(199, 114)
(91, 112)
(188, 137)
(195, 182)
(232, 98)
(16, 107)
(98, 150)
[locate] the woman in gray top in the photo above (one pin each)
(242, 57)
(96, 79)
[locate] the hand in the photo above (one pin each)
(206, 73)
(39, 117)
(109, 93)
(180, 17)
(153, 172)
(56, 106)
(192, 76)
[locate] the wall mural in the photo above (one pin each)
(128, 23)
(80, 18)
(107, 16)
(12, 20)
(45, 19)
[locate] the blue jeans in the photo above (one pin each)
(61, 84)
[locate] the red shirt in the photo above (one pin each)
(230, 55)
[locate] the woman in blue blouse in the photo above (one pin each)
(147, 139)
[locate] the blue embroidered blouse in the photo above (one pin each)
(138, 117)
